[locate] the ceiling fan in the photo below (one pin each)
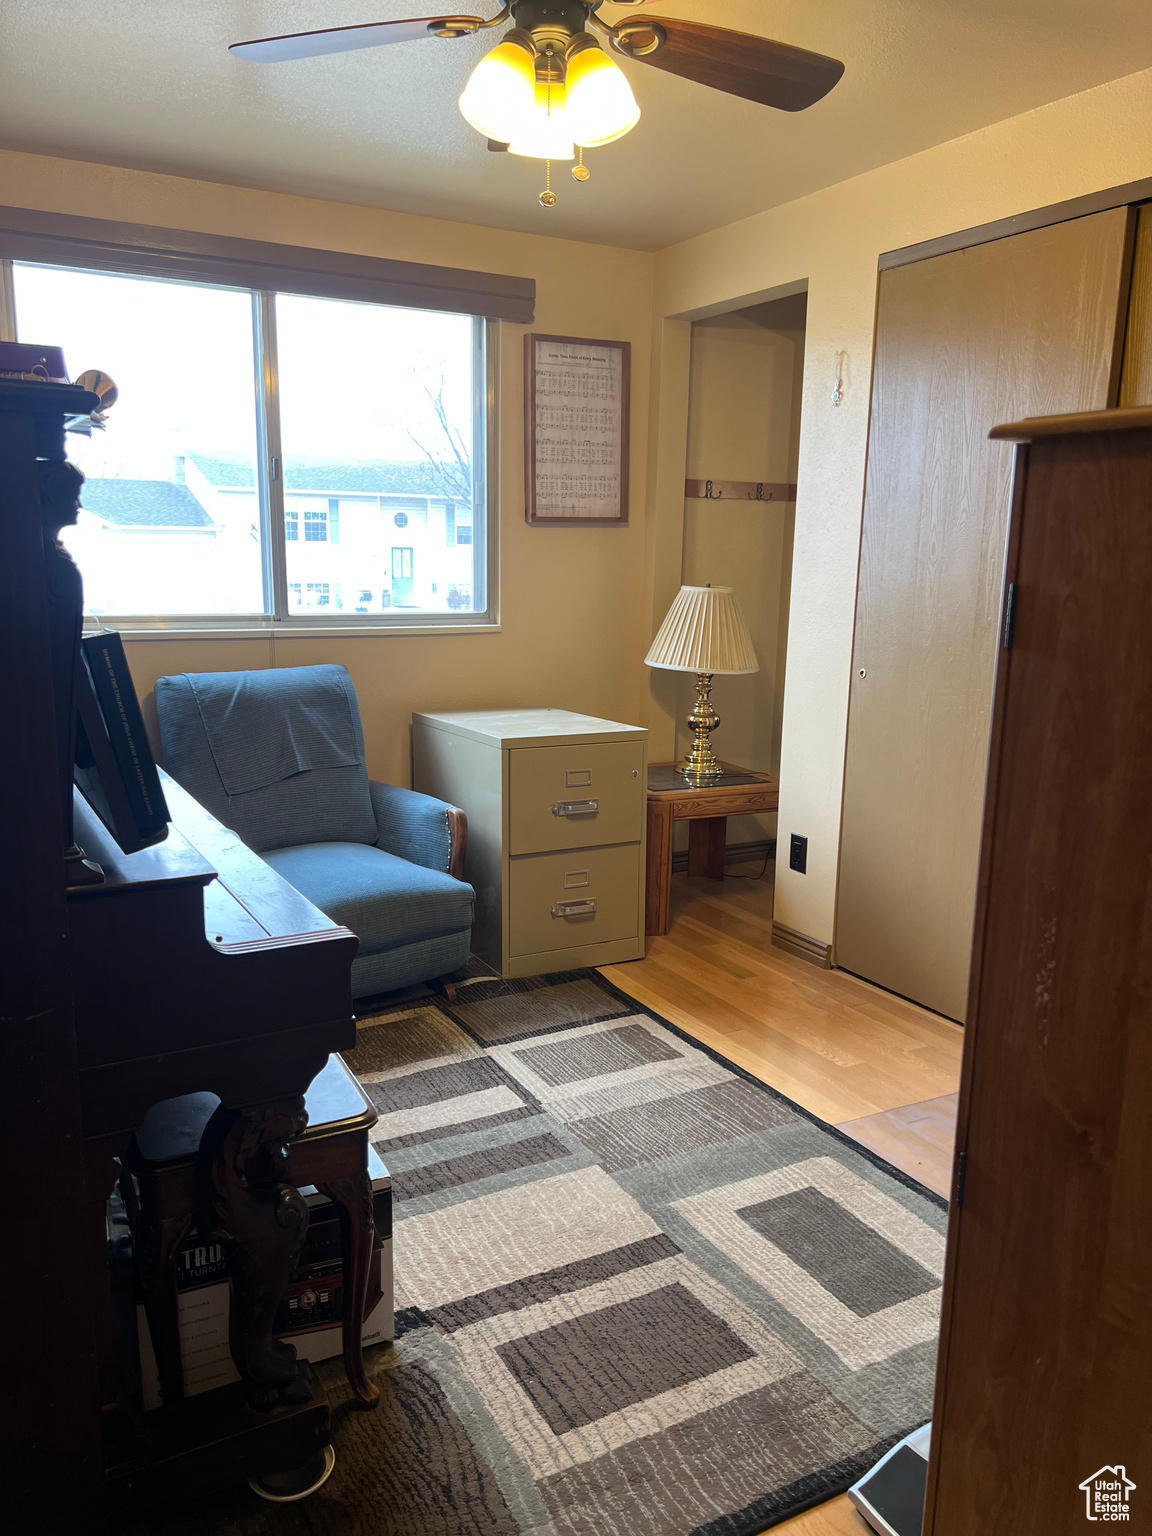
(549, 91)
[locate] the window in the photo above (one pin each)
(319, 516)
(154, 536)
(377, 416)
(212, 493)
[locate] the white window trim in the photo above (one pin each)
(283, 621)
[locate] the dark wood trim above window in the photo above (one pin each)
(58, 239)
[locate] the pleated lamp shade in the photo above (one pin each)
(704, 631)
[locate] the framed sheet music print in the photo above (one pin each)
(576, 398)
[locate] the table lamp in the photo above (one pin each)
(704, 632)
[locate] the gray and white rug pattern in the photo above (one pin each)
(659, 1298)
(638, 1293)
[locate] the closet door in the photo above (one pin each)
(1136, 385)
(1024, 326)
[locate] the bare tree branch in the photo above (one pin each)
(451, 463)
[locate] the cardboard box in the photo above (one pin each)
(309, 1316)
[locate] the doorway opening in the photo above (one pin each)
(745, 387)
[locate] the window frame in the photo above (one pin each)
(279, 616)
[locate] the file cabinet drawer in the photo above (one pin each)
(575, 796)
(562, 900)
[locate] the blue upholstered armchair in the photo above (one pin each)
(278, 756)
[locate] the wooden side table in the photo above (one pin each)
(671, 798)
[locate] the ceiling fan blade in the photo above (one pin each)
(310, 45)
(775, 74)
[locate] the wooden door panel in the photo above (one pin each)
(1018, 327)
(1136, 383)
(1047, 1342)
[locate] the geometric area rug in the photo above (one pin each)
(638, 1293)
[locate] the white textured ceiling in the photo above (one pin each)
(149, 84)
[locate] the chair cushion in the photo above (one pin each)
(307, 805)
(386, 901)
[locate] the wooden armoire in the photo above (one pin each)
(1046, 1344)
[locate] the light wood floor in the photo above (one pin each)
(836, 1518)
(841, 1048)
(883, 1070)
(919, 1138)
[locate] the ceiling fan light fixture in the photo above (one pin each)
(501, 90)
(545, 133)
(600, 105)
(549, 87)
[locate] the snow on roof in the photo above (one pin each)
(143, 504)
(322, 476)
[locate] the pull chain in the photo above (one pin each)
(548, 197)
(580, 171)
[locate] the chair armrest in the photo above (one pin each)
(419, 828)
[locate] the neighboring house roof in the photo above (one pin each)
(143, 504)
(331, 477)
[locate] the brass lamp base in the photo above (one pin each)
(702, 766)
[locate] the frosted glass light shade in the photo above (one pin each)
(500, 92)
(600, 103)
(704, 631)
(545, 133)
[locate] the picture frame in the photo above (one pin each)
(577, 399)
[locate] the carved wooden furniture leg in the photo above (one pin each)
(353, 1200)
(241, 1169)
(157, 1244)
(263, 1220)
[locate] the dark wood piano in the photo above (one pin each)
(192, 966)
(197, 968)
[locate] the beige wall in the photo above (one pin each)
(830, 242)
(580, 606)
(572, 631)
(743, 424)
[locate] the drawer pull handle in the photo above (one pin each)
(584, 908)
(576, 808)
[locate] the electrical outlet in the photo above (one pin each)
(798, 854)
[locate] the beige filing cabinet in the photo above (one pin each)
(556, 817)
